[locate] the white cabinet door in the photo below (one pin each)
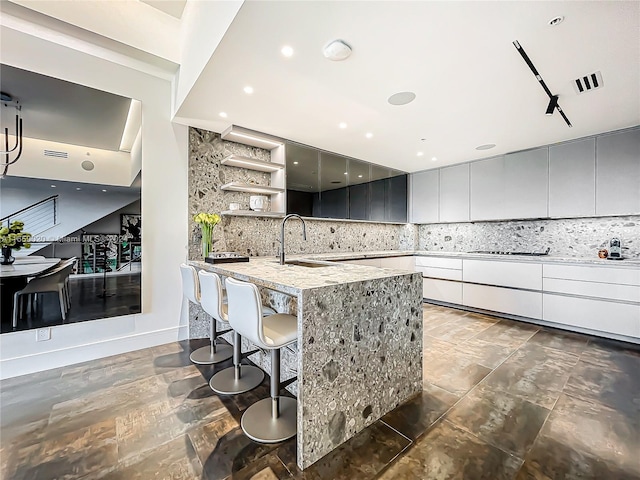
(454, 193)
(487, 189)
(442, 290)
(439, 262)
(599, 315)
(618, 173)
(572, 179)
(443, 273)
(424, 196)
(371, 262)
(526, 184)
(506, 300)
(401, 263)
(507, 274)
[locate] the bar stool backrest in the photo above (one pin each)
(211, 295)
(190, 283)
(245, 311)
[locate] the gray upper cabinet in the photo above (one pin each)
(424, 196)
(618, 173)
(572, 179)
(526, 184)
(454, 193)
(487, 189)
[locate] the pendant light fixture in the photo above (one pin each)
(8, 102)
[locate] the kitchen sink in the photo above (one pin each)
(309, 263)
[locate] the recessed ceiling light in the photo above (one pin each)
(103, 190)
(287, 51)
(53, 186)
(556, 21)
(434, 159)
(401, 98)
(248, 90)
(486, 146)
(295, 163)
(78, 188)
(342, 125)
(420, 154)
(346, 173)
(368, 135)
(359, 176)
(336, 50)
(223, 114)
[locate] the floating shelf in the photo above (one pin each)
(251, 137)
(250, 188)
(251, 163)
(252, 213)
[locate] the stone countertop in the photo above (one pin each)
(628, 262)
(293, 279)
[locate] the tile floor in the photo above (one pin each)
(501, 400)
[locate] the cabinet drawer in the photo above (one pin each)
(444, 273)
(439, 262)
(372, 262)
(508, 274)
(442, 290)
(506, 300)
(600, 315)
(596, 273)
(401, 263)
(627, 293)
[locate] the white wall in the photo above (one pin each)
(164, 208)
(203, 26)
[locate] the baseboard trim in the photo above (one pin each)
(37, 362)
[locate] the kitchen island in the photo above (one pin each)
(359, 348)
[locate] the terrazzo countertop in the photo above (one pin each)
(627, 262)
(292, 279)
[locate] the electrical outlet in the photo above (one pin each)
(43, 334)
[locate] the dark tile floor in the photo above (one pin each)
(123, 298)
(501, 400)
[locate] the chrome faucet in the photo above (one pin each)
(284, 220)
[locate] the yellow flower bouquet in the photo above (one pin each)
(13, 238)
(207, 222)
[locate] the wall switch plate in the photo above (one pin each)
(43, 334)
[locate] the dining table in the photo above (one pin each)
(15, 277)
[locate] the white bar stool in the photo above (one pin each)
(239, 378)
(273, 419)
(213, 353)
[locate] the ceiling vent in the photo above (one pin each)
(588, 82)
(54, 153)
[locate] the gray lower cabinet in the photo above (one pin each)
(572, 179)
(526, 184)
(424, 188)
(618, 173)
(487, 189)
(454, 193)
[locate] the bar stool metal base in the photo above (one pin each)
(259, 425)
(206, 356)
(226, 383)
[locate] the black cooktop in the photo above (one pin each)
(497, 252)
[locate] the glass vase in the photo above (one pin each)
(7, 259)
(207, 240)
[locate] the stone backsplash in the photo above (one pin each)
(575, 237)
(259, 236)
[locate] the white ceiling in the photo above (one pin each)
(175, 8)
(64, 112)
(471, 84)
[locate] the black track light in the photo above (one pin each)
(553, 103)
